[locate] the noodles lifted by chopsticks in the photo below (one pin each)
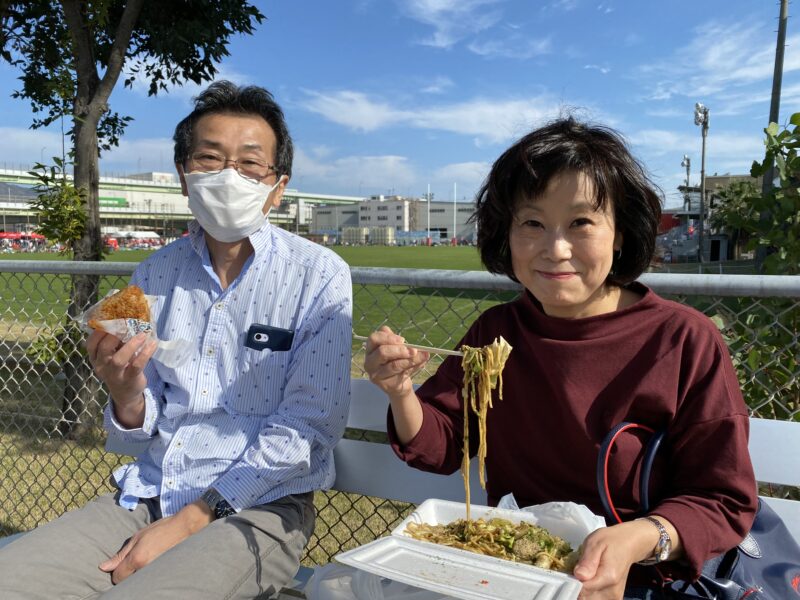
(483, 372)
(500, 538)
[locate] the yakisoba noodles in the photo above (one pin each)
(521, 542)
(483, 372)
(500, 538)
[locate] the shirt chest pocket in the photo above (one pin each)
(256, 387)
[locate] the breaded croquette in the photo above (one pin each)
(128, 303)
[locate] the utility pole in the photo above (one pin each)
(774, 110)
(428, 199)
(701, 119)
(687, 162)
(454, 213)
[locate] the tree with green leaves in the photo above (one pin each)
(780, 231)
(763, 336)
(732, 207)
(71, 54)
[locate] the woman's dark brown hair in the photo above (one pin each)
(526, 168)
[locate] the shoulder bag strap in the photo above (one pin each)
(650, 451)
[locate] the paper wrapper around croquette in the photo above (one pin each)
(122, 313)
(125, 313)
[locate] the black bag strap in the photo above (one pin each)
(650, 451)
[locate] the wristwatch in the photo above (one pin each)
(220, 507)
(663, 547)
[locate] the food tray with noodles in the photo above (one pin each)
(460, 573)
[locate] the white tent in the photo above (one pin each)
(139, 235)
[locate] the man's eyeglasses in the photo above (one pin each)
(250, 168)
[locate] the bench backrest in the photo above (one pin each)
(372, 469)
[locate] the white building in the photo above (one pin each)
(404, 215)
(151, 201)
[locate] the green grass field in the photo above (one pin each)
(426, 314)
(460, 258)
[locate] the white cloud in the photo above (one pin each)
(668, 112)
(735, 103)
(723, 145)
(388, 174)
(603, 69)
(493, 121)
(488, 120)
(139, 155)
(21, 148)
(659, 141)
(24, 147)
(720, 59)
(565, 5)
(363, 175)
(605, 8)
(512, 46)
(452, 20)
(438, 85)
(353, 110)
(725, 152)
(468, 175)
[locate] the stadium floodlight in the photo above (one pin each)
(701, 119)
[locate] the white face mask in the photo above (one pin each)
(227, 206)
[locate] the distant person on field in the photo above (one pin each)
(231, 445)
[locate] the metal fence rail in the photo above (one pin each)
(51, 453)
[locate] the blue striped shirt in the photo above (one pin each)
(255, 424)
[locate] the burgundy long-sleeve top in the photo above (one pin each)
(567, 382)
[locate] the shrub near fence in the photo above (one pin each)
(44, 474)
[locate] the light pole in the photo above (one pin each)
(701, 119)
(455, 194)
(687, 162)
(428, 201)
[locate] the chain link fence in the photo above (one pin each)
(51, 438)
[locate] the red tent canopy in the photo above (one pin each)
(17, 235)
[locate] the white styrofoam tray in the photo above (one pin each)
(460, 573)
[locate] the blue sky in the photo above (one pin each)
(388, 96)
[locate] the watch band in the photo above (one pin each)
(219, 506)
(663, 547)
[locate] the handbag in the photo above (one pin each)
(764, 566)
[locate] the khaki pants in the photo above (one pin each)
(249, 555)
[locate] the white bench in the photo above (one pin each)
(372, 469)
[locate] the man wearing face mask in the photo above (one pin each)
(231, 444)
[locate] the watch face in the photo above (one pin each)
(223, 509)
(664, 548)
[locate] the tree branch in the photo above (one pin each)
(4, 6)
(83, 53)
(116, 58)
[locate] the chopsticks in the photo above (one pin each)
(362, 338)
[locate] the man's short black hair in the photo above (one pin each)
(526, 168)
(226, 97)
